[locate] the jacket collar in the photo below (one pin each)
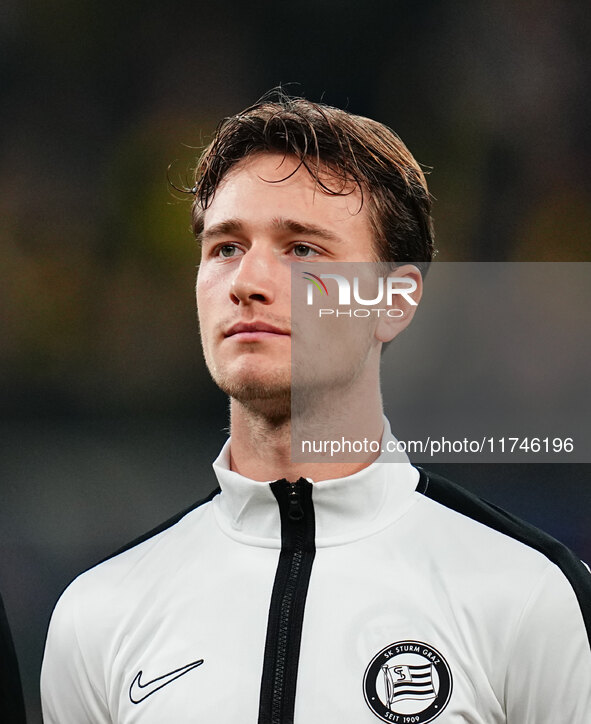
(345, 509)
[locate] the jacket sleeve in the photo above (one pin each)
(549, 670)
(12, 707)
(70, 687)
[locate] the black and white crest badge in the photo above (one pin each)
(408, 682)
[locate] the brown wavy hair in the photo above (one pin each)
(357, 150)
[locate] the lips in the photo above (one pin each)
(255, 328)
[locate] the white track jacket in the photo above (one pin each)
(390, 595)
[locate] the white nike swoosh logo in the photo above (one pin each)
(138, 691)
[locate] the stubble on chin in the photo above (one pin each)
(270, 398)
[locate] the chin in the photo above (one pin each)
(264, 401)
(251, 387)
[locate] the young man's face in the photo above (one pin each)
(256, 227)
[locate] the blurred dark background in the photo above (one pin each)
(109, 421)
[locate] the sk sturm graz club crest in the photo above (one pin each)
(408, 682)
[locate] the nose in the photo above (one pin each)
(255, 279)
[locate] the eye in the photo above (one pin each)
(227, 251)
(303, 251)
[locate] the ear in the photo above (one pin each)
(404, 289)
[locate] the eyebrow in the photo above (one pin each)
(236, 226)
(224, 228)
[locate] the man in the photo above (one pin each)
(318, 592)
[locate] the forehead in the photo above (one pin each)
(273, 183)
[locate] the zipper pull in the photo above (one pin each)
(295, 512)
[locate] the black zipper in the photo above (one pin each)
(288, 600)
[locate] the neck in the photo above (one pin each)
(261, 446)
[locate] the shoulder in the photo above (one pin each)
(131, 573)
(510, 548)
(94, 615)
(163, 528)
